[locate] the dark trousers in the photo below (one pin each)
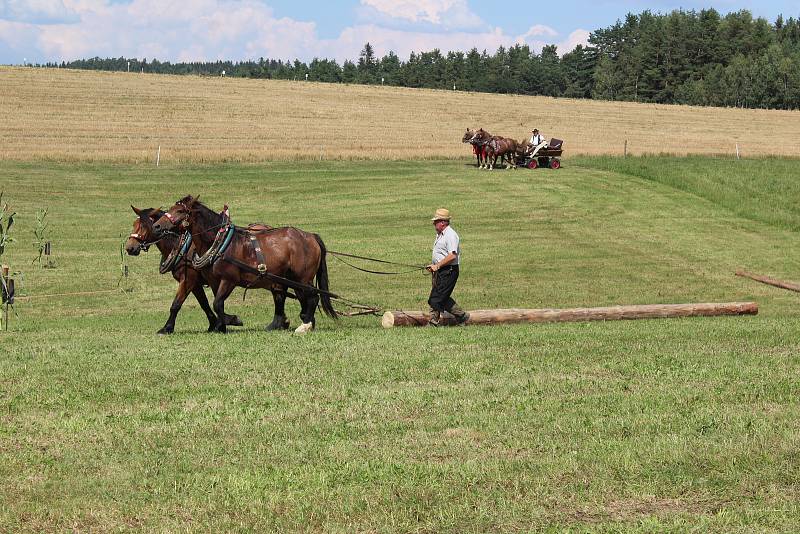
(444, 281)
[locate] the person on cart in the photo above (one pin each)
(537, 141)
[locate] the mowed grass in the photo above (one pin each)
(87, 116)
(661, 425)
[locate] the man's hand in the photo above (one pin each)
(432, 268)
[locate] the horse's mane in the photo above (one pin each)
(206, 216)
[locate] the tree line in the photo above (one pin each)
(682, 57)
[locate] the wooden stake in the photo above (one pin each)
(791, 286)
(547, 315)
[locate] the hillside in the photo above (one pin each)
(58, 114)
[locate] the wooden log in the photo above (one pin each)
(547, 315)
(791, 286)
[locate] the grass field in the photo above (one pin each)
(80, 116)
(642, 426)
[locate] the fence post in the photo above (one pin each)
(625, 150)
(737, 151)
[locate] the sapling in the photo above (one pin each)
(6, 222)
(41, 242)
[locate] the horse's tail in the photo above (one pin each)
(322, 280)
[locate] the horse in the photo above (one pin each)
(274, 259)
(189, 279)
(478, 150)
(504, 148)
(495, 146)
(479, 141)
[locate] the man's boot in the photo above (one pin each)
(460, 315)
(434, 320)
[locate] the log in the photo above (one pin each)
(548, 315)
(791, 286)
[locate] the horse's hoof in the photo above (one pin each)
(277, 324)
(233, 320)
(164, 331)
(304, 328)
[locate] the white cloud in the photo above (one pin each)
(578, 37)
(431, 15)
(206, 30)
(36, 11)
(416, 10)
(539, 30)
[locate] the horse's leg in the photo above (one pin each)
(308, 303)
(200, 295)
(280, 321)
(223, 292)
(230, 320)
(184, 288)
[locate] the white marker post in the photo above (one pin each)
(737, 151)
(158, 156)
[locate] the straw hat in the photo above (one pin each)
(441, 214)
(534, 130)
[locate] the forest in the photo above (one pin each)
(682, 57)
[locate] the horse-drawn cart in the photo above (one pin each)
(549, 156)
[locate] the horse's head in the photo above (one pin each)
(143, 234)
(179, 215)
(481, 137)
(468, 135)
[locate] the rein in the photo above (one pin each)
(413, 268)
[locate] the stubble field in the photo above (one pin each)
(63, 115)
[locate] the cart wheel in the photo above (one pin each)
(532, 164)
(555, 164)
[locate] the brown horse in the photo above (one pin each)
(495, 146)
(274, 259)
(504, 148)
(478, 150)
(189, 279)
(480, 140)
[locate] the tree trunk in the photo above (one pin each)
(611, 313)
(791, 286)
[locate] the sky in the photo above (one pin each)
(40, 31)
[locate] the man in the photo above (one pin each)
(444, 267)
(536, 137)
(537, 141)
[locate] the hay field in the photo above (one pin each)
(52, 114)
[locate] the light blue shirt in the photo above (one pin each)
(445, 243)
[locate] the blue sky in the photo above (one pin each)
(204, 30)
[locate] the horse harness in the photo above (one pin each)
(177, 254)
